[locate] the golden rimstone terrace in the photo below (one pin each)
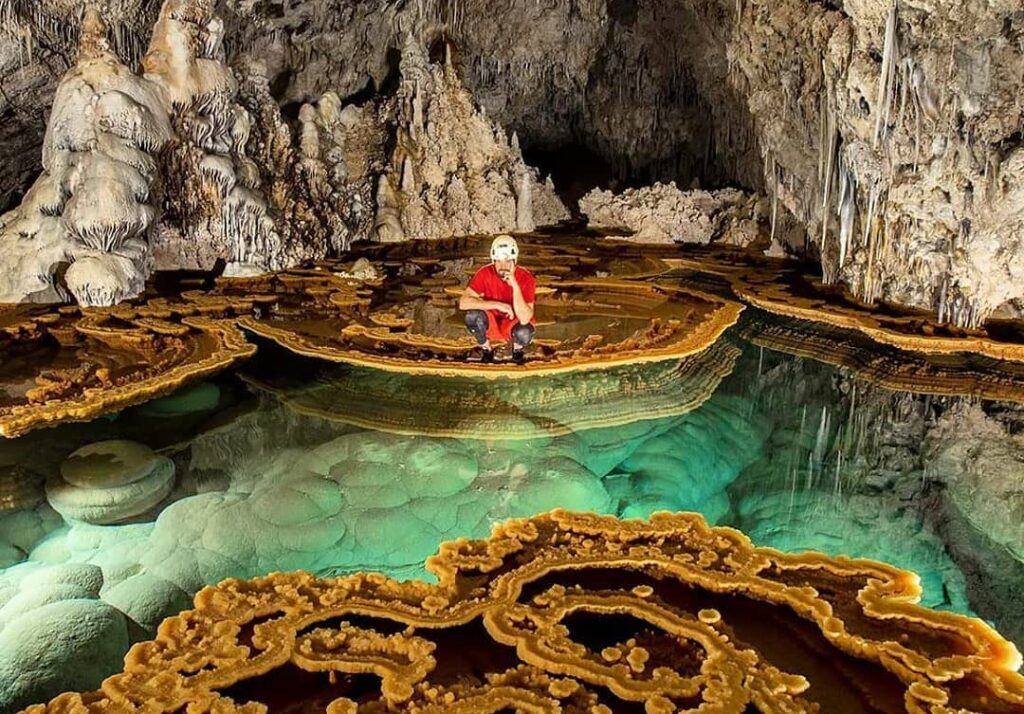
(602, 303)
(575, 613)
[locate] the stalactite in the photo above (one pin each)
(832, 137)
(847, 212)
(887, 77)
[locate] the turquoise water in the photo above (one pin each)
(289, 464)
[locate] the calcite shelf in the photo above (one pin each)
(74, 364)
(807, 298)
(954, 374)
(589, 324)
(788, 288)
(574, 613)
(507, 409)
(602, 304)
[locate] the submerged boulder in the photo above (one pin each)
(110, 481)
(55, 634)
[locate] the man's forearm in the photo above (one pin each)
(469, 302)
(524, 313)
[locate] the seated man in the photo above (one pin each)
(499, 302)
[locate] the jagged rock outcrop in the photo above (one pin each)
(193, 164)
(663, 213)
(891, 131)
(981, 463)
(439, 166)
(82, 227)
(220, 208)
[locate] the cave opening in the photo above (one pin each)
(574, 168)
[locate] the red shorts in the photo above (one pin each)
(500, 326)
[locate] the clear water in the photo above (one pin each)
(280, 467)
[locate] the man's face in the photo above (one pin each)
(504, 266)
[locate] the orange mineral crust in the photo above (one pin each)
(579, 613)
(805, 297)
(411, 326)
(954, 374)
(71, 365)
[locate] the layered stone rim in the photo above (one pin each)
(522, 585)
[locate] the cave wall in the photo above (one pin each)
(891, 131)
(623, 82)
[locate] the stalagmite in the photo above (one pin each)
(90, 208)
(524, 204)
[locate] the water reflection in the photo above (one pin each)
(333, 470)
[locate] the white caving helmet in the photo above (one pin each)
(504, 247)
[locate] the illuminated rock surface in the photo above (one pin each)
(666, 214)
(584, 613)
(601, 304)
(72, 365)
(960, 373)
(804, 297)
(869, 526)
(110, 482)
(504, 409)
(589, 316)
(94, 203)
(50, 615)
(797, 452)
(688, 467)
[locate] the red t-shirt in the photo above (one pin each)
(489, 285)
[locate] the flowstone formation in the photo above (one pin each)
(603, 303)
(192, 164)
(790, 289)
(49, 615)
(915, 182)
(689, 466)
(217, 207)
(665, 214)
(577, 613)
(889, 130)
(506, 409)
(406, 318)
(453, 171)
(82, 229)
(109, 482)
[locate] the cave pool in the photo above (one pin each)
(288, 464)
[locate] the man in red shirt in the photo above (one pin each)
(499, 302)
